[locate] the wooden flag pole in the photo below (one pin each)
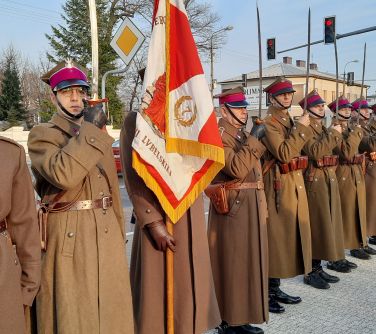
(170, 281)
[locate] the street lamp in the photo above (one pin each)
(344, 74)
(212, 56)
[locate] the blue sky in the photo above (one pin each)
(24, 23)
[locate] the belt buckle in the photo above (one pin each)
(106, 202)
(259, 185)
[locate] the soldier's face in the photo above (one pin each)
(72, 99)
(365, 113)
(284, 99)
(318, 109)
(240, 113)
(346, 112)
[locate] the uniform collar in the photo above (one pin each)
(281, 116)
(65, 124)
(316, 125)
(238, 134)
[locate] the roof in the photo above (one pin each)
(287, 70)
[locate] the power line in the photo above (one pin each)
(28, 12)
(30, 6)
(23, 16)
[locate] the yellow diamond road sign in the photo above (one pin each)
(127, 41)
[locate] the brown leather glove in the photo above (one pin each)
(161, 237)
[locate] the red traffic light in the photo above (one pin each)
(329, 23)
(270, 42)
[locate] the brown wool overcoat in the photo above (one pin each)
(85, 282)
(368, 145)
(195, 304)
(20, 265)
(323, 195)
(238, 241)
(289, 232)
(352, 189)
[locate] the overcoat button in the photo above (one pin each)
(70, 235)
(148, 210)
(237, 201)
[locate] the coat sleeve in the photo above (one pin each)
(238, 164)
(285, 149)
(368, 144)
(146, 206)
(23, 228)
(349, 147)
(66, 165)
(316, 148)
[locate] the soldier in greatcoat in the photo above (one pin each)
(20, 256)
(85, 282)
(195, 303)
(351, 183)
(368, 148)
(322, 191)
(290, 250)
(238, 239)
(371, 224)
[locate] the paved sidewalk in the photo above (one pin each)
(348, 307)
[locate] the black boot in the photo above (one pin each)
(284, 298)
(274, 306)
(221, 329)
(338, 266)
(328, 278)
(372, 240)
(350, 264)
(249, 329)
(369, 250)
(315, 280)
(360, 254)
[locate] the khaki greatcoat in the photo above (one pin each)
(195, 303)
(368, 145)
(85, 282)
(352, 189)
(238, 241)
(323, 195)
(20, 264)
(289, 233)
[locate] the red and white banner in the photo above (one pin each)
(177, 146)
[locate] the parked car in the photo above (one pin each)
(116, 152)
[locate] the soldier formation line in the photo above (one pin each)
(292, 194)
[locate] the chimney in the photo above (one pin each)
(287, 60)
(313, 66)
(300, 63)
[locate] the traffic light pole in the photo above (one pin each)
(338, 36)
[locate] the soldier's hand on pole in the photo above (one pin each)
(258, 131)
(161, 237)
(304, 120)
(336, 127)
(95, 115)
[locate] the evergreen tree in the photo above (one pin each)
(11, 107)
(73, 40)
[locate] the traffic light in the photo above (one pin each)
(329, 29)
(244, 80)
(350, 78)
(270, 48)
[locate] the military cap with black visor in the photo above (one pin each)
(69, 84)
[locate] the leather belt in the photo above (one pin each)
(357, 160)
(103, 203)
(3, 226)
(245, 185)
(295, 164)
(327, 161)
